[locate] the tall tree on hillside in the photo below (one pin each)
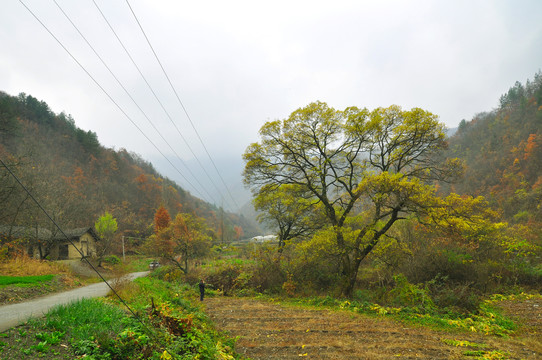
(366, 169)
(9, 126)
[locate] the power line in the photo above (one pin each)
(80, 252)
(156, 97)
(135, 102)
(100, 86)
(182, 105)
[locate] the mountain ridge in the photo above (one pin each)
(78, 179)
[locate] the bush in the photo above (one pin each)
(168, 273)
(225, 278)
(407, 294)
(112, 260)
(268, 273)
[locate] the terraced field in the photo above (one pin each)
(271, 331)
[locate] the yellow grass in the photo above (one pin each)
(25, 266)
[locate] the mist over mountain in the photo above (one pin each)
(230, 194)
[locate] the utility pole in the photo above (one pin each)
(222, 220)
(128, 237)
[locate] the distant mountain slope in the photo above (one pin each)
(502, 150)
(77, 179)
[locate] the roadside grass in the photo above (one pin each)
(174, 307)
(174, 327)
(65, 332)
(23, 278)
(25, 266)
(134, 263)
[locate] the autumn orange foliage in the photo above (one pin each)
(161, 219)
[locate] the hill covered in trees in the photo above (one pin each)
(76, 179)
(502, 152)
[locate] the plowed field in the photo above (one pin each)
(271, 331)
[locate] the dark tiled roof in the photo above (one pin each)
(77, 233)
(22, 232)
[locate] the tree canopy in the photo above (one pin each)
(185, 238)
(105, 226)
(364, 169)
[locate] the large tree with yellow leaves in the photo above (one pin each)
(364, 169)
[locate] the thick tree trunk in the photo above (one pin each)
(350, 273)
(351, 276)
(184, 270)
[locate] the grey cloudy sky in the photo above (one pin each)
(236, 64)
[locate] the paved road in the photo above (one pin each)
(13, 315)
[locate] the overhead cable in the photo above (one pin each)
(157, 98)
(99, 85)
(182, 105)
(135, 103)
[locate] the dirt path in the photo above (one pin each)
(12, 315)
(270, 331)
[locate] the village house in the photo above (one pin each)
(42, 243)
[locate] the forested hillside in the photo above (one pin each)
(502, 151)
(76, 179)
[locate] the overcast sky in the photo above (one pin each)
(237, 64)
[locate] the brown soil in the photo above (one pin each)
(12, 294)
(271, 331)
(80, 274)
(528, 312)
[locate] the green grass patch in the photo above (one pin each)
(24, 280)
(179, 304)
(464, 343)
(137, 263)
(85, 319)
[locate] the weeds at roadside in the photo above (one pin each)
(99, 329)
(26, 266)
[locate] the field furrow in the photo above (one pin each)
(270, 331)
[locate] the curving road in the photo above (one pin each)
(15, 314)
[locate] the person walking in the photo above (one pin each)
(201, 289)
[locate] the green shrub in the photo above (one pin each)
(168, 273)
(407, 294)
(112, 260)
(224, 278)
